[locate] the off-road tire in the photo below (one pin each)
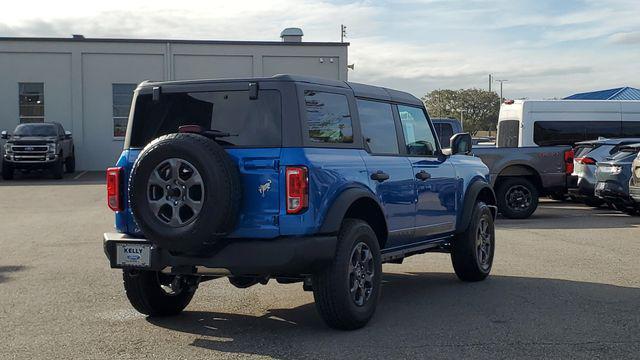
(57, 169)
(70, 163)
(221, 185)
(331, 284)
(464, 252)
(502, 190)
(147, 297)
(7, 171)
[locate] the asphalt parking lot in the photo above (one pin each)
(565, 284)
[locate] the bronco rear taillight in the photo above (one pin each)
(114, 200)
(586, 161)
(568, 161)
(297, 189)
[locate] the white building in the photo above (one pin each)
(86, 84)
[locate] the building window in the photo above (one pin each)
(31, 101)
(122, 97)
(328, 117)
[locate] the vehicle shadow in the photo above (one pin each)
(562, 215)
(434, 314)
(6, 270)
(35, 178)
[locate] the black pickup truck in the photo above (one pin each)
(38, 146)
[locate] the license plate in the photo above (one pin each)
(137, 255)
(600, 186)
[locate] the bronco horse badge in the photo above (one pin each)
(263, 188)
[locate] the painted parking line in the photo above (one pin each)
(79, 175)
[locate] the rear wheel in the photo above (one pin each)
(517, 197)
(472, 253)
(7, 171)
(156, 294)
(346, 291)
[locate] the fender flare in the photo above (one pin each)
(336, 212)
(469, 202)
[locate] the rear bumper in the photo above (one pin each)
(581, 188)
(634, 193)
(280, 256)
(613, 192)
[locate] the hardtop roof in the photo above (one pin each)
(359, 90)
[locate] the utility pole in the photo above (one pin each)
(490, 81)
(343, 33)
(501, 81)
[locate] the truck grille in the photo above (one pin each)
(29, 153)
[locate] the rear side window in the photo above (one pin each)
(508, 133)
(445, 132)
(328, 117)
(418, 136)
(251, 122)
(378, 127)
(547, 133)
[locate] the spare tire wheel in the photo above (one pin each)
(184, 192)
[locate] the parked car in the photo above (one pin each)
(290, 178)
(613, 175)
(587, 154)
(38, 146)
(634, 182)
(445, 129)
(524, 123)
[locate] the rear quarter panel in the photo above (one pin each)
(331, 171)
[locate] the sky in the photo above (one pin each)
(544, 48)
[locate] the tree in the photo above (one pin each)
(479, 107)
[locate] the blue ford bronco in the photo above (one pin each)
(294, 179)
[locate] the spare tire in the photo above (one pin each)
(184, 192)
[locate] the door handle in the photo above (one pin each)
(379, 176)
(423, 175)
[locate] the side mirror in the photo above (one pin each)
(67, 134)
(461, 144)
(4, 134)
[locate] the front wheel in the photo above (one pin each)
(472, 252)
(57, 169)
(156, 294)
(517, 197)
(346, 291)
(70, 164)
(7, 171)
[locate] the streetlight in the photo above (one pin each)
(501, 81)
(462, 118)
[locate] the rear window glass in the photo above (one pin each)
(251, 122)
(378, 127)
(328, 117)
(508, 133)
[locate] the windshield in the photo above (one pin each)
(36, 130)
(251, 122)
